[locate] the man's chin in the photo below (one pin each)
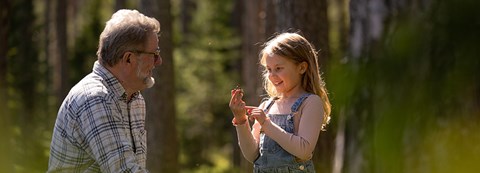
(149, 82)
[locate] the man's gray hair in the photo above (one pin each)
(125, 31)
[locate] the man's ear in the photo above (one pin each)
(126, 58)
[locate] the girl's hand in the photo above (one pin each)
(259, 115)
(237, 105)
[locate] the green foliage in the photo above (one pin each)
(203, 80)
(30, 110)
(23, 78)
(419, 91)
(87, 43)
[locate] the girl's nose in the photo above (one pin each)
(271, 74)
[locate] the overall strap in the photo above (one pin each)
(299, 102)
(269, 104)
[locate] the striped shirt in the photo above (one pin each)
(97, 129)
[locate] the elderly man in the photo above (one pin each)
(100, 126)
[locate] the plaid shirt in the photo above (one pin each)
(97, 130)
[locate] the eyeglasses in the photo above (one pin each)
(156, 54)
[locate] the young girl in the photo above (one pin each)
(287, 125)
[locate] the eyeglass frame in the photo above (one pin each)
(156, 54)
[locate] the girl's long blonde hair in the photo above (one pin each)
(296, 48)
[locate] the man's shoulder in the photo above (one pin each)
(89, 93)
(91, 87)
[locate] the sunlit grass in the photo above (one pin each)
(453, 146)
(219, 161)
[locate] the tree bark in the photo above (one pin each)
(270, 19)
(187, 8)
(62, 62)
(367, 20)
(342, 25)
(5, 121)
(23, 70)
(4, 22)
(310, 18)
(120, 4)
(237, 157)
(253, 33)
(57, 49)
(160, 99)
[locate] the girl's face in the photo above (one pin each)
(284, 74)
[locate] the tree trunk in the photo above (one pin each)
(57, 49)
(339, 28)
(5, 121)
(120, 4)
(62, 62)
(367, 18)
(23, 70)
(160, 99)
(309, 17)
(270, 19)
(4, 22)
(253, 33)
(187, 8)
(252, 30)
(237, 156)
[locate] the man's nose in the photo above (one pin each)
(159, 61)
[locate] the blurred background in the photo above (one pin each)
(403, 78)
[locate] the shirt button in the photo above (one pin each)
(301, 167)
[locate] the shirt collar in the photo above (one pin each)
(111, 82)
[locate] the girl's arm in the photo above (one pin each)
(248, 140)
(302, 144)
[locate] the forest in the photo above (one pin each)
(402, 77)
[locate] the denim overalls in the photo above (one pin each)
(273, 158)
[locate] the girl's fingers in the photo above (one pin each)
(237, 105)
(258, 115)
(257, 111)
(234, 98)
(238, 95)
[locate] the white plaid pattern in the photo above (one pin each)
(95, 126)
